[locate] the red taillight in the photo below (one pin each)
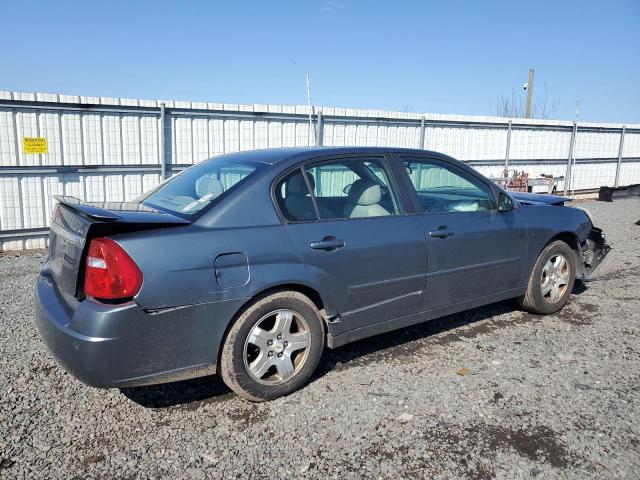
(111, 273)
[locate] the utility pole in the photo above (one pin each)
(311, 133)
(573, 166)
(529, 94)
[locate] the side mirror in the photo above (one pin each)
(505, 203)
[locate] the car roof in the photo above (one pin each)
(274, 156)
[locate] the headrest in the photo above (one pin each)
(209, 185)
(365, 192)
(297, 186)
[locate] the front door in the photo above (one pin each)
(474, 250)
(366, 255)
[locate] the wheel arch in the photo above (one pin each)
(302, 288)
(571, 239)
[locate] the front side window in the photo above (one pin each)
(443, 189)
(197, 187)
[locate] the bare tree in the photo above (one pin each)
(515, 106)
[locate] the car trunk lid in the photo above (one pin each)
(75, 223)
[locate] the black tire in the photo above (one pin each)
(234, 360)
(536, 300)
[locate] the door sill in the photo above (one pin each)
(419, 317)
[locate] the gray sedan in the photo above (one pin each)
(249, 265)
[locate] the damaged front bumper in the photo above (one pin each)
(593, 250)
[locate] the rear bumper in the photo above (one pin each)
(125, 346)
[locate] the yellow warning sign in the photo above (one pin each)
(35, 145)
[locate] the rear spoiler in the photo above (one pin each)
(86, 208)
(120, 212)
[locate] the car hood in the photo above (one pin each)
(539, 199)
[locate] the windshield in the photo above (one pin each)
(198, 186)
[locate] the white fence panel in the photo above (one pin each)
(597, 144)
(92, 139)
(72, 139)
(109, 149)
(8, 142)
(467, 144)
(539, 144)
(10, 203)
(50, 129)
(631, 147)
(590, 175)
(630, 173)
(150, 142)
(112, 140)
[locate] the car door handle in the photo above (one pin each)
(327, 243)
(441, 232)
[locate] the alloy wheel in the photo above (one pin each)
(277, 347)
(555, 278)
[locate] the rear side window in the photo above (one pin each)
(352, 188)
(340, 189)
(444, 189)
(294, 199)
(197, 187)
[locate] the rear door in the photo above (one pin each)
(474, 250)
(347, 222)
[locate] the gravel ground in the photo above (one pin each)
(543, 397)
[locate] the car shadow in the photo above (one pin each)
(191, 393)
(579, 287)
(173, 394)
(373, 348)
(389, 345)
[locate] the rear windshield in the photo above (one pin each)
(197, 187)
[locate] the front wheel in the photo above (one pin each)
(273, 347)
(551, 280)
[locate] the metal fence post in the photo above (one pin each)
(319, 130)
(620, 148)
(507, 151)
(163, 160)
(568, 180)
(422, 132)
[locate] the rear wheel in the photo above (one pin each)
(273, 347)
(551, 280)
